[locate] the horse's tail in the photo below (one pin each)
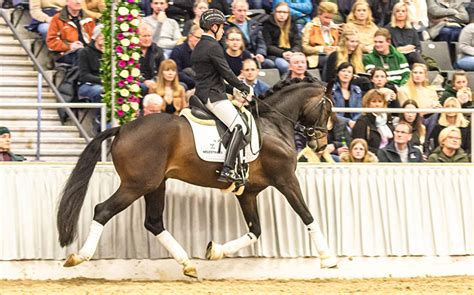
(75, 189)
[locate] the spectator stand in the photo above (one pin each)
(269, 76)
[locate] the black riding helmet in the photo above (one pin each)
(211, 17)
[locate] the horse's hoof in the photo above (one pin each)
(74, 259)
(214, 251)
(190, 270)
(328, 261)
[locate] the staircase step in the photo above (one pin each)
(63, 132)
(26, 100)
(19, 74)
(28, 88)
(30, 144)
(10, 52)
(27, 117)
(21, 83)
(15, 64)
(5, 31)
(27, 94)
(6, 38)
(48, 152)
(28, 112)
(9, 42)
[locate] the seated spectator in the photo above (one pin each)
(446, 20)
(458, 82)
(181, 54)
(418, 88)
(251, 31)
(358, 153)
(42, 12)
(418, 16)
(300, 10)
(65, 39)
(152, 104)
(235, 52)
(5, 147)
(404, 36)
(466, 43)
(400, 150)
(349, 50)
(90, 84)
(281, 36)
(450, 150)
(345, 94)
(388, 57)
(250, 77)
(198, 8)
(379, 79)
(166, 32)
(452, 119)
(375, 128)
(150, 59)
(93, 8)
(297, 67)
(339, 136)
(167, 86)
(320, 36)
(361, 19)
(415, 120)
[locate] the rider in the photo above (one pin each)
(211, 70)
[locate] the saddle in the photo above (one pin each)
(200, 111)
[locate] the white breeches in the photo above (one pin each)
(226, 112)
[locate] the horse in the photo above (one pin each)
(149, 150)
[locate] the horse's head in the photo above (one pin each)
(316, 114)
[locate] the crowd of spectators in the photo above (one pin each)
(370, 50)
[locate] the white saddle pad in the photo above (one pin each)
(208, 142)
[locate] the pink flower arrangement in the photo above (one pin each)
(129, 79)
(121, 83)
(119, 49)
(120, 36)
(131, 61)
(120, 100)
(122, 64)
(120, 113)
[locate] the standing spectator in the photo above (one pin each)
(375, 128)
(345, 94)
(418, 88)
(90, 84)
(415, 120)
(400, 150)
(349, 50)
(452, 119)
(150, 59)
(466, 43)
(252, 32)
(198, 8)
(250, 77)
(42, 12)
(281, 36)
(450, 150)
(388, 57)
(93, 8)
(152, 104)
(181, 54)
(361, 19)
(167, 86)
(166, 32)
(320, 36)
(458, 82)
(404, 36)
(300, 10)
(358, 153)
(68, 32)
(5, 147)
(235, 52)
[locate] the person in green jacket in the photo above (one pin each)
(459, 81)
(388, 57)
(5, 143)
(449, 150)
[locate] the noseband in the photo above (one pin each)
(310, 131)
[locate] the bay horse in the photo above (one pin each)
(151, 149)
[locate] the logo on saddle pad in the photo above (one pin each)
(208, 142)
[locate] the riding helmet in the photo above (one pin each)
(211, 17)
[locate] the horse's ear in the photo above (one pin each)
(329, 88)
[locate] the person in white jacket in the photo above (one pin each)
(466, 43)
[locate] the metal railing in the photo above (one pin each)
(39, 106)
(42, 75)
(402, 110)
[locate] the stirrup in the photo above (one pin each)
(229, 175)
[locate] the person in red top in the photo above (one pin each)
(69, 31)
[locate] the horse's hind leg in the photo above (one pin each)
(155, 204)
(248, 203)
(103, 212)
(290, 188)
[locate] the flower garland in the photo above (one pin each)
(127, 60)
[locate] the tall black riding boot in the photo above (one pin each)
(228, 173)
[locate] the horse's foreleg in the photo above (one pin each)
(248, 203)
(291, 190)
(103, 212)
(155, 204)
